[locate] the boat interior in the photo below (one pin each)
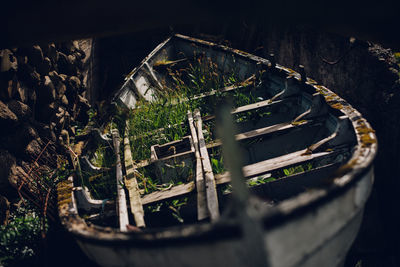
(290, 139)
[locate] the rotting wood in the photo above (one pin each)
(261, 104)
(268, 165)
(174, 191)
(202, 211)
(211, 192)
(132, 185)
(262, 131)
(121, 198)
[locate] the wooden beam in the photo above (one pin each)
(269, 165)
(223, 178)
(132, 185)
(211, 192)
(174, 191)
(202, 211)
(285, 126)
(121, 198)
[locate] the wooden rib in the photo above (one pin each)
(225, 178)
(132, 185)
(202, 211)
(261, 104)
(263, 131)
(174, 191)
(294, 184)
(152, 75)
(275, 163)
(211, 192)
(121, 198)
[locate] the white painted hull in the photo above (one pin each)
(314, 228)
(320, 237)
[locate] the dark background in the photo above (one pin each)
(127, 31)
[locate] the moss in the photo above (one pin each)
(346, 168)
(64, 189)
(311, 81)
(336, 106)
(364, 131)
(367, 140)
(300, 122)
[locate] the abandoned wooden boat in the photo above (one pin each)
(306, 153)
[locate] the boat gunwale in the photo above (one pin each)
(358, 165)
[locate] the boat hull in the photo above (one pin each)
(319, 237)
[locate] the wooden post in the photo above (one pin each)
(202, 211)
(253, 241)
(132, 185)
(121, 198)
(211, 192)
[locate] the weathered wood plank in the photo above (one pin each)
(257, 105)
(211, 192)
(265, 166)
(225, 177)
(121, 198)
(174, 191)
(132, 185)
(202, 211)
(285, 126)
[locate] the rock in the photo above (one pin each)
(72, 131)
(17, 141)
(45, 67)
(22, 93)
(21, 59)
(63, 77)
(33, 149)
(7, 163)
(32, 98)
(64, 100)
(65, 137)
(72, 59)
(83, 108)
(69, 47)
(7, 117)
(61, 89)
(44, 113)
(17, 175)
(80, 54)
(22, 111)
(4, 89)
(29, 75)
(47, 92)
(74, 83)
(52, 53)
(65, 64)
(55, 77)
(11, 89)
(35, 56)
(4, 210)
(45, 132)
(7, 61)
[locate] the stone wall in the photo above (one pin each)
(42, 98)
(363, 73)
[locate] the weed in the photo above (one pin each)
(20, 239)
(297, 169)
(172, 206)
